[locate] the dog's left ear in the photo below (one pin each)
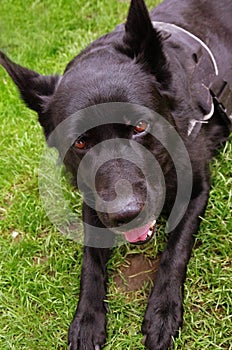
(36, 90)
(143, 42)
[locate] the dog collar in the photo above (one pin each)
(221, 94)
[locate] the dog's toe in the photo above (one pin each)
(87, 331)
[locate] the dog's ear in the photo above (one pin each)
(143, 42)
(36, 90)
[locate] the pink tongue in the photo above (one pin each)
(138, 234)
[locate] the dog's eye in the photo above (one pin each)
(80, 144)
(141, 127)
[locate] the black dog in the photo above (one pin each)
(178, 64)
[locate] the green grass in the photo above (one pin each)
(39, 268)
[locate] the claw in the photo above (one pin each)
(69, 347)
(97, 347)
(144, 339)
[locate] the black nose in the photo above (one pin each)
(124, 216)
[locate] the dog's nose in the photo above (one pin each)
(124, 216)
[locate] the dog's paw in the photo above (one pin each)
(87, 331)
(161, 323)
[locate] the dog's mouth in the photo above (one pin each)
(141, 235)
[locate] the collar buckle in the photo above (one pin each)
(222, 97)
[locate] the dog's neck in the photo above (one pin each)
(172, 28)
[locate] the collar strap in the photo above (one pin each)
(219, 89)
(171, 27)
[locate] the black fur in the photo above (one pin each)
(152, 74)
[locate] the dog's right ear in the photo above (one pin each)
(36, 90)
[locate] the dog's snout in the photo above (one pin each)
(124, 216)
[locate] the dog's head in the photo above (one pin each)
(126, 66)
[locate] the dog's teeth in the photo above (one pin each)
(153, 223)
(151, 229)
(149, 232)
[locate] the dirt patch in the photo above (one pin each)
(137, 271)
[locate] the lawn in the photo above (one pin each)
(40, 268)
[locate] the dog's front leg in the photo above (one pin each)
(88, 328)
(164, 312)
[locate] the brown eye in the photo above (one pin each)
(141, 126)
(80, 144)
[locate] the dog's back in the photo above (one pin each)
(209, 20)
